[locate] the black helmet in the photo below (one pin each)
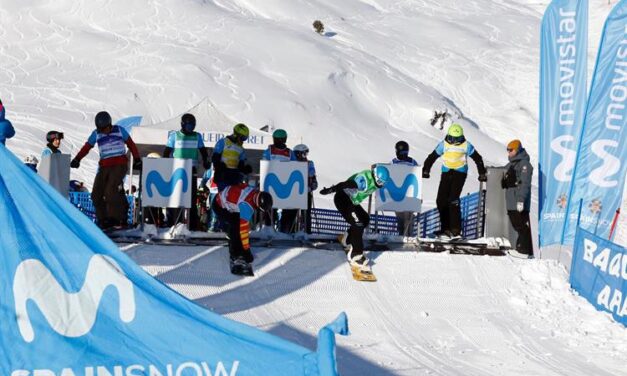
(54, 135)
(264, 201)
(188, 123)
(103, 120)
(402, 147)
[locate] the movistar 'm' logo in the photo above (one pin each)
(165, 188)
(283, 191)
(69, 314)
(400, 193)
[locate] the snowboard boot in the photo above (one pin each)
(359, 261)
(239, 266)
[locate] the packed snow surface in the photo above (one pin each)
(428, 313)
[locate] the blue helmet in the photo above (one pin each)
(381, 175)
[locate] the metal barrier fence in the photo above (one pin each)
(329, 222)
(82, 201)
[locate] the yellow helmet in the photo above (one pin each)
(241, 130)
(455, 130)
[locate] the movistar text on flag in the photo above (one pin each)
(602, 154)
(563, 67)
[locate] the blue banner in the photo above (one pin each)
(601, 163)
(71, 303)
(599, 273)
(563, 72)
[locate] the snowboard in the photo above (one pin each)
(358, 274)
(362, 276)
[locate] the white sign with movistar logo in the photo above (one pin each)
(167, 182)
(403, 192)
(287, 182)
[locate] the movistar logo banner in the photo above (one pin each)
(69, 314)
(273, 183)
(602, 153)
(563, 89)
(286, 182)
(166, 187)
(403, 191)
(399, 193)
(167, 182)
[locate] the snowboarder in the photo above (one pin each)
(454, 151)
(229, 158)
(187, 144)
(279, 151)
(517, 184)
(405, 220)
(235, 206)
(288, 216)
(348, 197)
(6, 128)
(108, 190)
(53, 139)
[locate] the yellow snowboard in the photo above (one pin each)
(362, 276)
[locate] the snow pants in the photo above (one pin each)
(451, 185)
(238, 231)
(108, 196)
(356, 217)
(520, 223)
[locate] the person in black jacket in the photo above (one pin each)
(454, 151)
(517, 184)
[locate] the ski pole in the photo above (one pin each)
(614, 221)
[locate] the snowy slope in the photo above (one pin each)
(429, 314)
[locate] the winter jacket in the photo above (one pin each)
(517, 181)
(6, 128)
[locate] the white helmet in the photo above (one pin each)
(153, 155)
(31, 159)
(301, 148)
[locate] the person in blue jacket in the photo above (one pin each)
(6, 128)
(405, 220)
(54, 143)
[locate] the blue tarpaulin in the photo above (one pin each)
(71, 303)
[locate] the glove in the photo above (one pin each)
(137, 164)
(325, 191)
(75, 163)
(425, 174)
(483, 177)
(206, 164)
(247, 169)
(520, 206)
(503, 183)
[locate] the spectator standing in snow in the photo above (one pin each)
(108, 190)
(454, 150)
(6, 128)
(404, 219)
(517, 184)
